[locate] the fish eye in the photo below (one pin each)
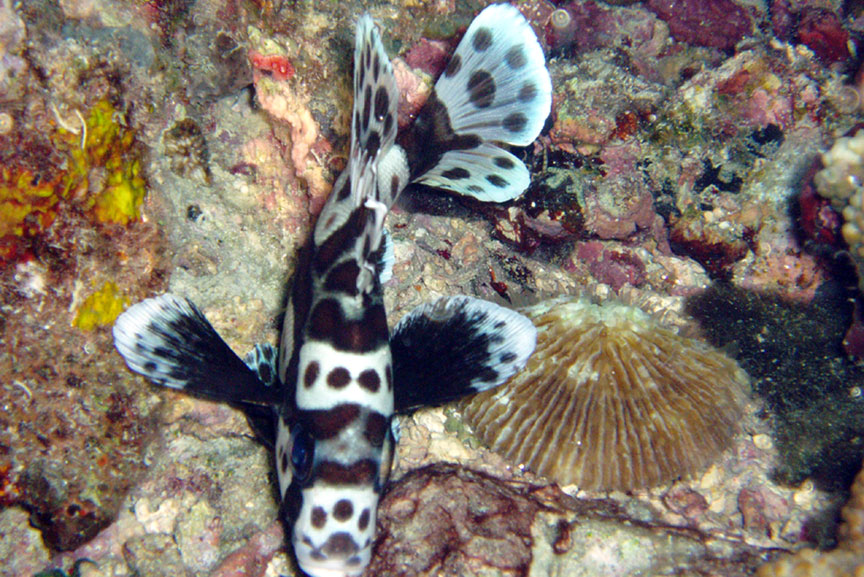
(302, 453)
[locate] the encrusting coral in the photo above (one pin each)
(611, 400)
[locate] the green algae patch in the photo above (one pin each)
(90, 166)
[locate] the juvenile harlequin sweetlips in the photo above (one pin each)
(326, 398)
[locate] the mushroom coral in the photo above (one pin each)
(611, 400)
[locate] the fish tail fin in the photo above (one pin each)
(495, 89)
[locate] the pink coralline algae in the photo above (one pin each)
(413, 91)
(711, 23)
(783, 19)
(588, 25)
(277, 66)
(819, 221)
(614, 267)
(430, 56)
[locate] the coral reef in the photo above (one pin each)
(713, 23)
(821, 30)
(679, 132)
(443, 519)
(73, 249)
(92, 167)
(840, 181)
(611, 400)
(716, 247)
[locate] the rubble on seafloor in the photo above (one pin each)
(186, 146)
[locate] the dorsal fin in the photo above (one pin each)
(377, 171)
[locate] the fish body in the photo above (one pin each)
(326, 398)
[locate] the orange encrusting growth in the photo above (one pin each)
(611, 400)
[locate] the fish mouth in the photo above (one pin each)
(315, 566)
(339, 556)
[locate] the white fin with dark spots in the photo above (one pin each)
(496, 88)
(169, 341)
(376, 95)
(488, 173)
(384, 264)
(377, 171)
(496, 85)
(456, 346)
(373, 131)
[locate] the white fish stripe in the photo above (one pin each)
(317, 393)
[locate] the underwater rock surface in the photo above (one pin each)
(447, 519)
(147, 146)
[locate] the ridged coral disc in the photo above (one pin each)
(611, 400)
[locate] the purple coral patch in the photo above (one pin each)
(712, 23)
(614, 267)
(430, 56)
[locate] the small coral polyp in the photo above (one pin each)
(611, 400)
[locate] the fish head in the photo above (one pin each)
(332, 497)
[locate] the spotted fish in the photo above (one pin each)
(325, 399)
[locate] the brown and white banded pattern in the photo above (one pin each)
(336, 430)
(328, 405)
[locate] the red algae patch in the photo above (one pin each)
(611, 400)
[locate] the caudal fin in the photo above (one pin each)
(496, 89)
